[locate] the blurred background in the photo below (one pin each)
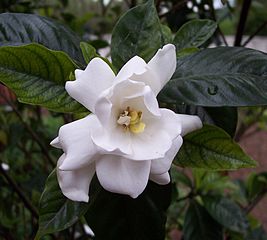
(26, 158)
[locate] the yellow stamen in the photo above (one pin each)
(137, 128)
(131, 120)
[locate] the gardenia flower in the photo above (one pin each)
(127, 139)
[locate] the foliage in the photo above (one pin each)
(211, 83)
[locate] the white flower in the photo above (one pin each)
(127, 139)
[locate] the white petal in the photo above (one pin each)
(189, 123)
(150, 145)
(161, 179)
(75, 184)
(162, 165)
(75, 139)
(170, 122)
(90, 83)
(163, 64)
(135, 65)
(114, 141)
(121, 175)
(55, 143)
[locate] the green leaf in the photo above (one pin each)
(222, 76)
(88, 51)
(113, 216)
(56, 212)
(256, 184)
(194, 33)
(138, 32)
(211, 148)
(19, 28)
(199, 225)
(226, 212)
(187, 51)
(37, 75)
(223, 117)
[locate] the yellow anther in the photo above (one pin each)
(134, 117)
(137, 128)
(131, 120)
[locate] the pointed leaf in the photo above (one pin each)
(222, 76)
(211, 148)
(132, 34)
(56, 212)
(37, 75)
(226, 212)
(199, 225)
(19, 28)
(194, 33)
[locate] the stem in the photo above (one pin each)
(255, 201)
(31, 132)
(242, 22)
(22, 196)
(262, 26)
(213, 14)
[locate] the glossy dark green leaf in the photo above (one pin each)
(226, 212)
(194, 33)
(223, 117)
(256, 184)
(56, 212)
(211, 148)
(113, 216)
(37, 75)
(19, 28)
(222, 76)
(138, 32)
(88, 51)
(199, 225)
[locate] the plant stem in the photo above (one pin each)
(255, 201)
(20, 193)
(262, 26)
(30, 130)
(242, 22)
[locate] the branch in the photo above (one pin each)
(261, 27)
(31, 132)
(22, 196)
(242, 22)
(255, 201)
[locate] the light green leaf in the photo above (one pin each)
(199, 225)
(222, 76)
(56, 212)
(187, 51)
(37, 75)
(19, 28)
(211, 148)
(194, 33)
(226, 212)
(88, 51)
(138, 32)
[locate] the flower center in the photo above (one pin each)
(131, 120)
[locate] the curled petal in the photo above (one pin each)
(189, 123)
(75, 184)
(150, 145)
(76, 142)
(91, 83)
(135, 65)
(163, 65)
(162, 165)
(121, 175)
(55, 143)
(161, 179)
(114, 141)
